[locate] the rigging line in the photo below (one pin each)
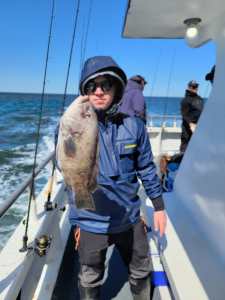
(167, 96)
(25, 237)
(48, 204)
(156, 72)
(70, 56)
(169, 83)
(81, 56)
(154, 83)
(88, 27)
(87, 32)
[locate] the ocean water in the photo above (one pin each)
(18, 125)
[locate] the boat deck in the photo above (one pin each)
(115, 284)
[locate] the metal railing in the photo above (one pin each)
(164, 121)
(152, 121)
(9, 202)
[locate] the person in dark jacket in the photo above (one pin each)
(191, 108)
(133, 101)
(124, 156)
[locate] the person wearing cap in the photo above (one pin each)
(191, 108)
(133, 101)
(124, 156)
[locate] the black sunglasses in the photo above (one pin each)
(105, 85)
(194, 86)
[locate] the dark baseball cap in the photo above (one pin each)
(193, 84)
(138, 78)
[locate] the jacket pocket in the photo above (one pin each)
(127, 151)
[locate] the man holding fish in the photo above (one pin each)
(102, 153)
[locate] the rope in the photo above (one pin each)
(48, 204)
(31, 195)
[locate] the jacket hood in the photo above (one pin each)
(101, 65)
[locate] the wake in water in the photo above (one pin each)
(18, 125)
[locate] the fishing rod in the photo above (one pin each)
(48, 203)
(31, 194)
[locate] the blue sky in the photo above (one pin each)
(24, 33)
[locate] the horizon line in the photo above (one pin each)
(61, 94)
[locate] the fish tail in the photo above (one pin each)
(84, 200)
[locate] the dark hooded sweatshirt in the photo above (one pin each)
(191, 108)
(133, 101)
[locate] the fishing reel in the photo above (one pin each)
(42, 244)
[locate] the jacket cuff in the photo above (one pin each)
(158, 203)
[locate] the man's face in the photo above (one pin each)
(101, 92)
(193, 89)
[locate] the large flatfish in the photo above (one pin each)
(77, 150)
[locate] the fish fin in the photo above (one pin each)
(97, 187)
(95, 169)
(84, 200)
(93, 180)
(69, 147)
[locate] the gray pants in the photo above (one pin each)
(132, 246)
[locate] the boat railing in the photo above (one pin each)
(173, 121)
(164, 121)
(26, 184)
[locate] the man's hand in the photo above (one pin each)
(82, 98)
(192, 126)
(160, 221)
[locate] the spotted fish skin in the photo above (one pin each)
(77, 150)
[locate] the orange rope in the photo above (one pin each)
(77, 237)
(144, 224)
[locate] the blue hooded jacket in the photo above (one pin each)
(124, 156)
